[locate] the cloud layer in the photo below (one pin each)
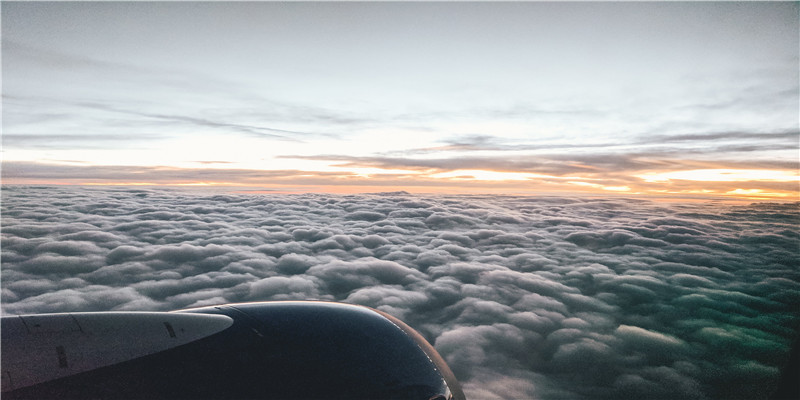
(525, 297)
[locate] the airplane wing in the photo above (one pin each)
(270, 350)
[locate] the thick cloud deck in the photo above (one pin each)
(525, 297)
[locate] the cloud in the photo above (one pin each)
(284, 288)
(195, 121)
(639, 174)
(65, 172)
(78, 141)
(654, 147)
(787, 137)
(604, 165)
(113, 97)
(646, 340)
(525, 297)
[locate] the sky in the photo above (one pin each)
(637, 99)
(526, 297)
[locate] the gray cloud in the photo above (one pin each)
(666, 144)
(787, 137)
(258, 131)
(157, 174)
(538, 164)
(72, 141)
(610, 167)
(25, 107)
(525, 297)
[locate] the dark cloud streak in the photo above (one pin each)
(66, 141)
(600, 164)
(258, 131)
(713, 143)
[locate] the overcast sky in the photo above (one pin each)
(632, 98)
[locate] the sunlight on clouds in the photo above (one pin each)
(602, 187)
(370, 172)
(208, 151)
(746, 191)
(760, 194)
(723, 175)
(120, 184)
(483, 175)
(617, 188)
(176, 152)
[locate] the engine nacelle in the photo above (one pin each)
(270, 350)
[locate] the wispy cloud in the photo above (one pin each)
(259, 131)
(60, 60)
(558, 164)
(74, 141)
(250, 105)
(786, 137)
(713, 142)
(61, 172)
(483, 143)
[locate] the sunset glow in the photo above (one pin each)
(724, 175)
(636, 99)
(479, 175)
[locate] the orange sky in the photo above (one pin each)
(750, 184)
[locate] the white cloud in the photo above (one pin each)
(525, 297)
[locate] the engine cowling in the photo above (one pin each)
(269, 350)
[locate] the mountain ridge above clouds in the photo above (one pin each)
(525, 297)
